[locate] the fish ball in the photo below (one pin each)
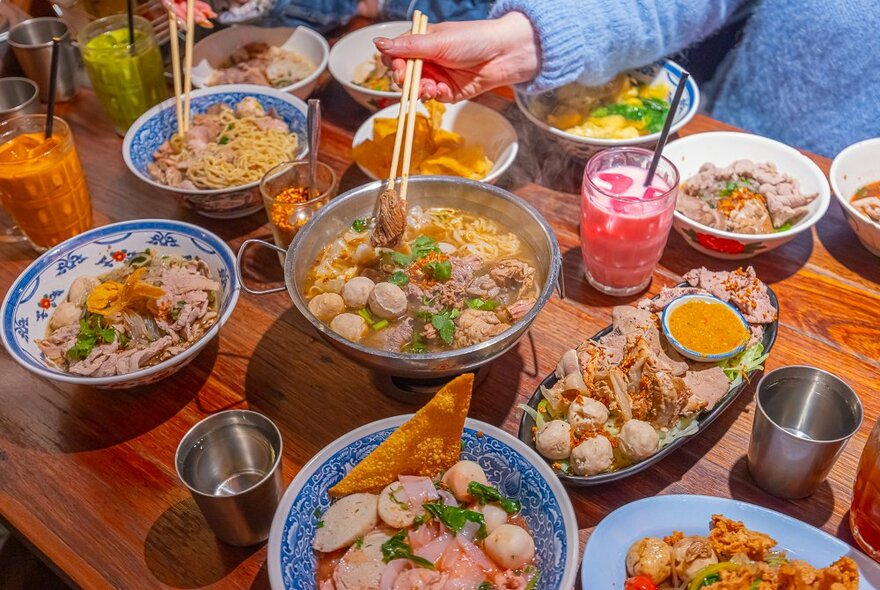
(326, 306)
(350, 326)
(350, 517)
(638, 440)
(554, 440)
(649, 557)
(357, 291)
(494, 516)
(388, 301)
(66, 314)
(592, 456)
(511, 547)
(394, 508)
(80, 289)
(459, 477)
(586, 414)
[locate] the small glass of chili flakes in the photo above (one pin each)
(286, 197)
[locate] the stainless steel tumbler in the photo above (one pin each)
(803, 420)
(31, 41)
(231, 463)
(18, 96)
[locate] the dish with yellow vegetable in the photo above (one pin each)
(465, 139)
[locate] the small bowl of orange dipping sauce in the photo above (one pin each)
(704, 328)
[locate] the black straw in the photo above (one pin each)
(53, 80)
(667, 125)
(130, 5)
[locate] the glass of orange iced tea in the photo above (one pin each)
(42, 185)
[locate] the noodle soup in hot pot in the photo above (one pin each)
(236, 134)
(455, 280)
(494, 212)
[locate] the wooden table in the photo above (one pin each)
(87, 476)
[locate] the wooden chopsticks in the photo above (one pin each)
(182, 104)
(406, 118)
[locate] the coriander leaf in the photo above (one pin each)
(533, 582)
(317, 513)
(397, 548)
(485, 494)
(442, 322)
(422, 246)
(359, 225)
(486, 586)
(401, 259)
(223, 140)
(482, 304)
(359, 543)
(399, 278)
(319, 524)
(454, 517)
(441, 270)
(416, 345)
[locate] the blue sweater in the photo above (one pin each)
(806, 72)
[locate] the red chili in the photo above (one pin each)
(640, 583)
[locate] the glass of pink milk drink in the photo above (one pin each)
(624, 224)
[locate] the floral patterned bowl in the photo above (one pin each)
(722, 148)
(30, 301)
(535, 107)
(509, 464)
(160, 122)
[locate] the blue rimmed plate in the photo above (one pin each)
(604, 568)
(31, 299)
(511, 466)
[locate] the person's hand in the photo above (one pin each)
(464, 59)
(202, 12)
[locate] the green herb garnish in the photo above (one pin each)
(784, 227)
(533, 582)
(417, 345)
(454, 518)
(319, 524)
(365, 313)
(93, 331)
(399, 278)
(174, 312)
(223, 140)
(482, 304)
(359, 225)
(486, 586)
(419, 248)
(440, 270)
(442, 322)
(485, 494)
(732, 186)
(359, 543)
(380, 325)
(397, 548)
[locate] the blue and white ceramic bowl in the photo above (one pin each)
(693, 354)
(509, 464)
(536, 107)
(31, 299)
(160, 122)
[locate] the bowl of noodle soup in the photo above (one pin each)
(238, 132)
(467, 219)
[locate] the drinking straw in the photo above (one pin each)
(53, 77)
(667, 125)
(130, 6)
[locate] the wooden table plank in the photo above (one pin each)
(87, 476)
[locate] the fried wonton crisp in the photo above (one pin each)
(427, 444)
(435, 150)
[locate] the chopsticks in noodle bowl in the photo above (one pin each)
(175, 67)
(182, 90)
(391, 206)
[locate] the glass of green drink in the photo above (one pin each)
(127, 77)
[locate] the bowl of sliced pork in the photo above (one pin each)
(742, 195)
(122, 305)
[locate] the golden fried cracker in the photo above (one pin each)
(427, 444)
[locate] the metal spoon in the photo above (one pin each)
(314, 137)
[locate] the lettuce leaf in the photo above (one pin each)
(534, 414)
(751, 359)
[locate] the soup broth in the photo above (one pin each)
(455, 280)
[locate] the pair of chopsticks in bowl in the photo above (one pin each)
(185, 88)
(391, 205)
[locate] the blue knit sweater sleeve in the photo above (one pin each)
(593, 40)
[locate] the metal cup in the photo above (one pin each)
(231, 462)
(803, 420)
(18, 96)
(31, 41)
